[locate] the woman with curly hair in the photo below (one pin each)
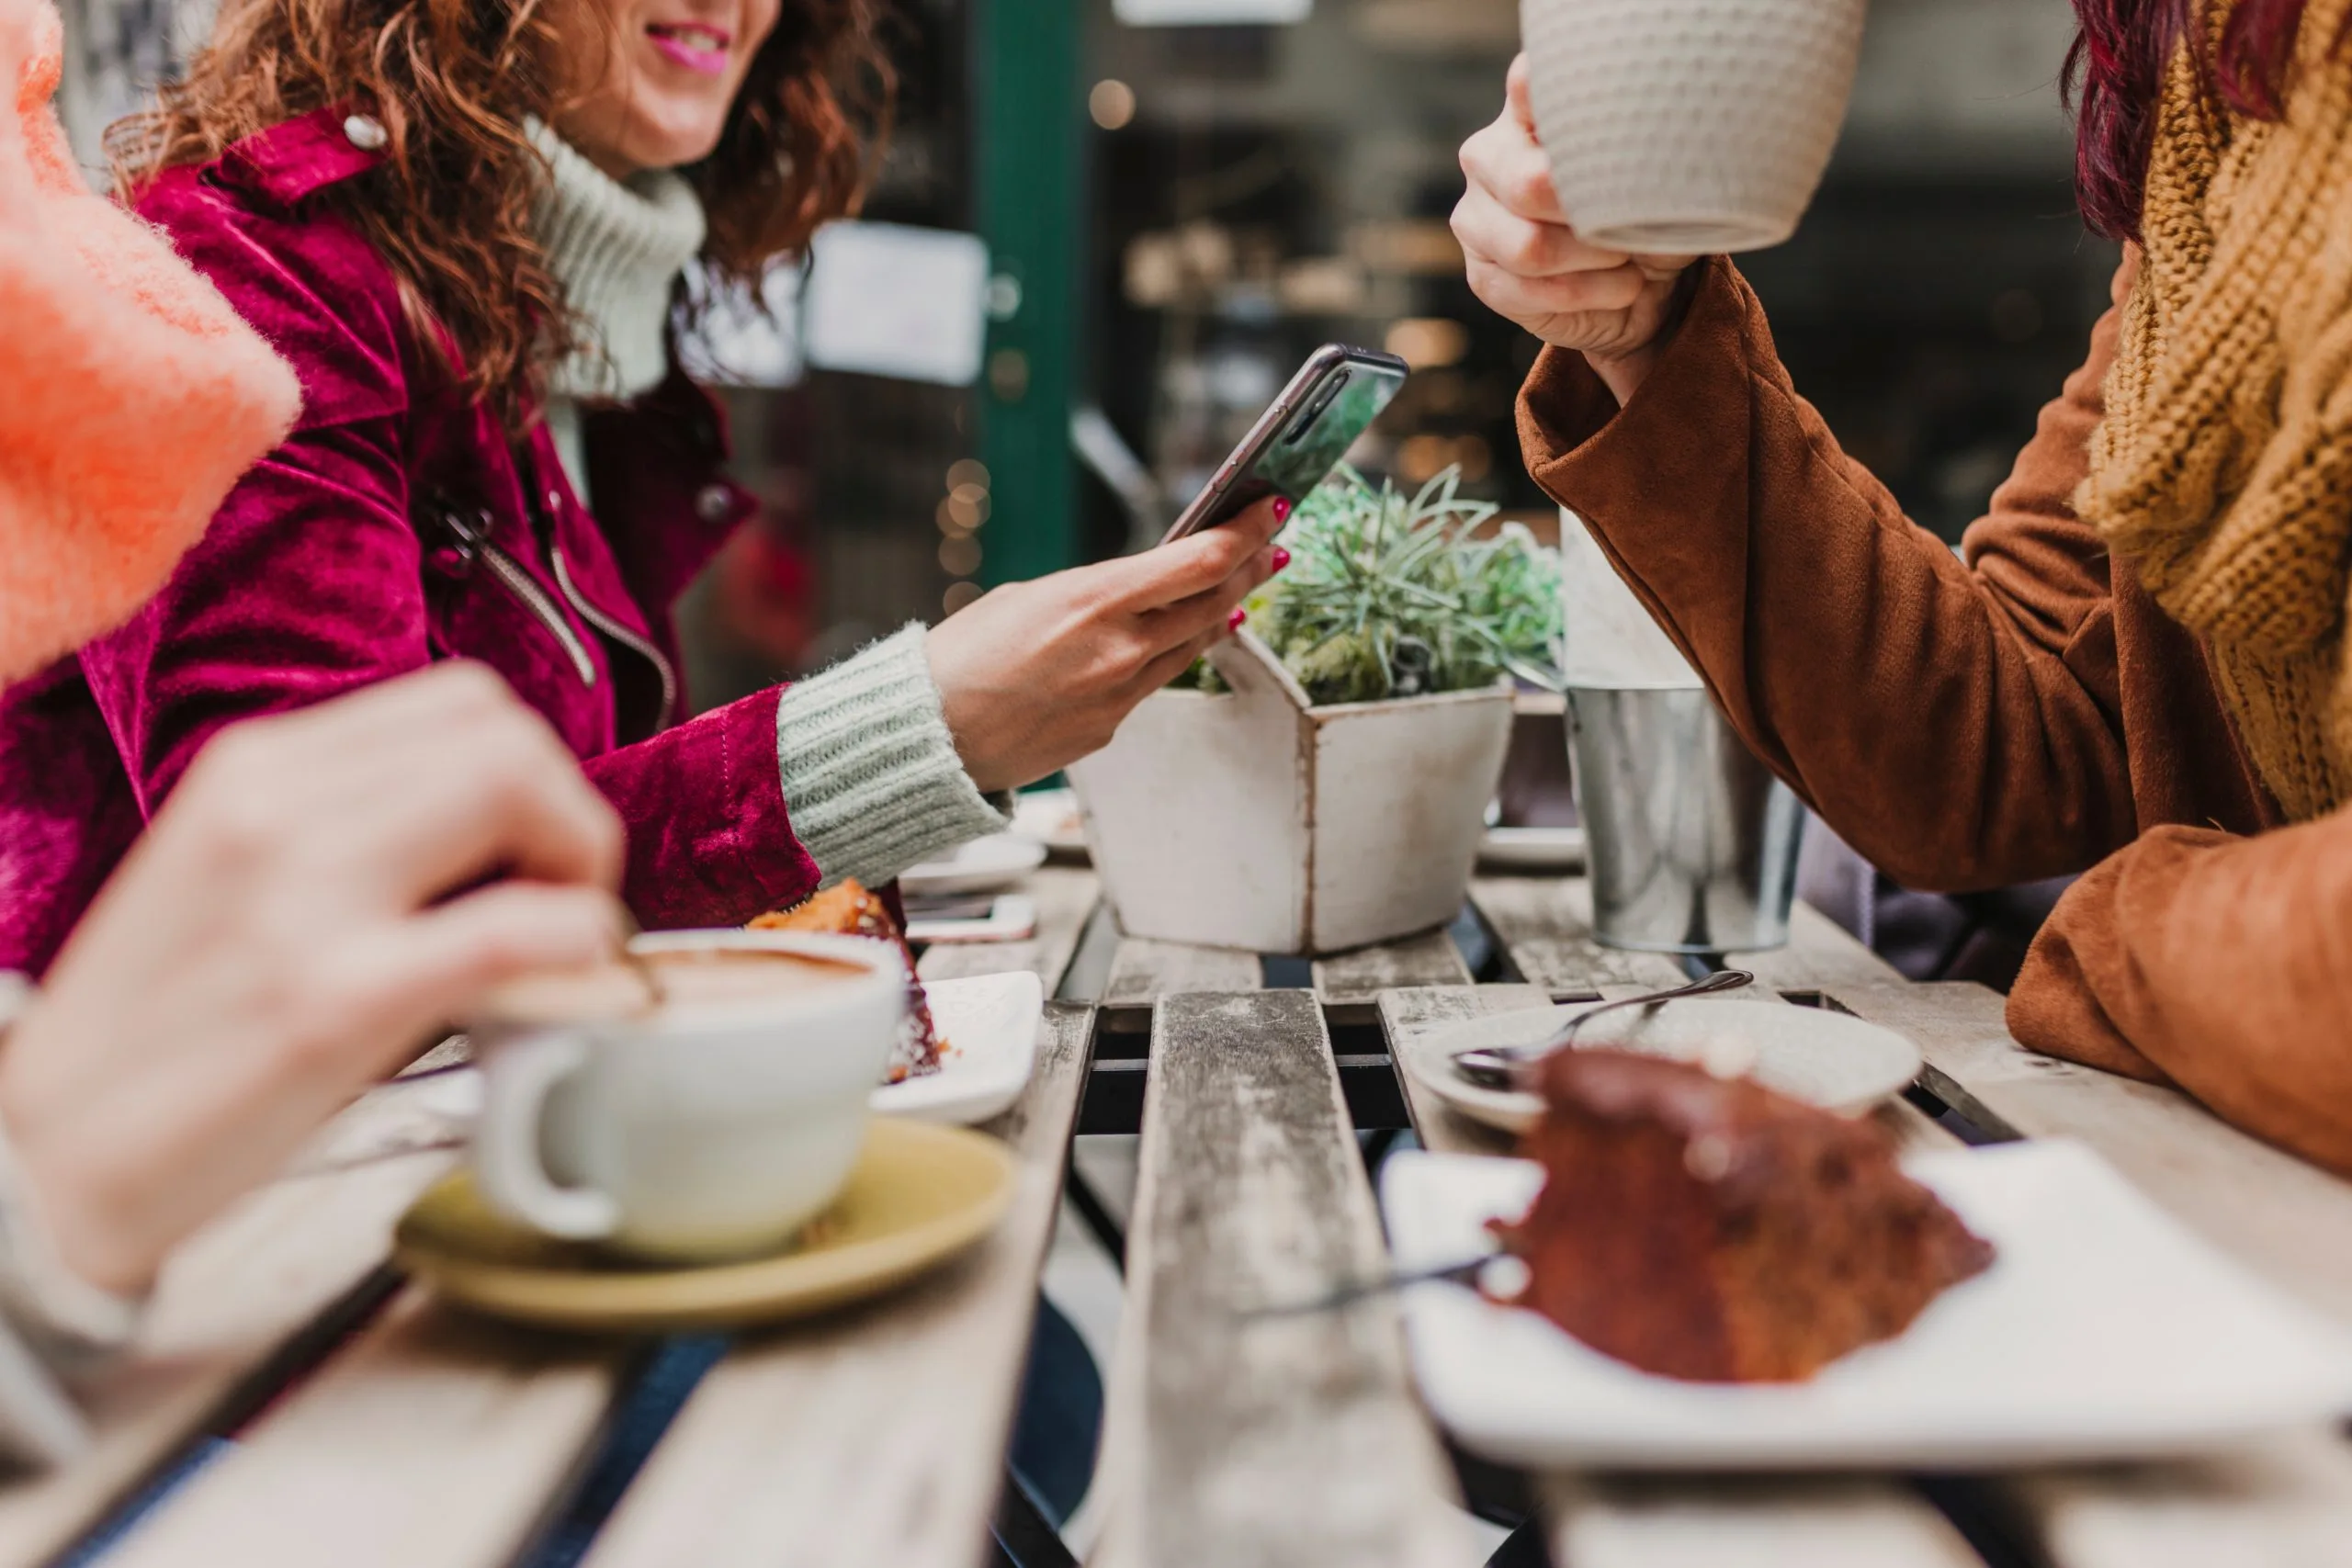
(464, 224)
(2137, 669)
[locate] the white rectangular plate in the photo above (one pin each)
(990, 1025)
(978, 865)
(1012, 917)
(1051, 817)
(2103, 1330)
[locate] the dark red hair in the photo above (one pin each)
(2115, 73)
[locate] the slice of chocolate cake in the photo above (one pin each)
(1712, 1230)
(847, 908)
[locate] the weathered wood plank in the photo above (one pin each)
(876, 1435)
(2287, 1502)
(2288, 1220)
(1821, 954)
(227, 1301)
(1747, 1522)
(1546, 925)
(1356, 979)
(1145, 971)
(1257, 1442)
(438, 1438)
(1065, 897)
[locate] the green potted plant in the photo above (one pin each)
(1321, 781)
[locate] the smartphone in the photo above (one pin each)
(1301, 437)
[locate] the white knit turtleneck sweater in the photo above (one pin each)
(617, 247)
(870, 774)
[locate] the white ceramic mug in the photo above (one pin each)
(692, 1132)
(1689, 127)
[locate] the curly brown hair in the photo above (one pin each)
(453, 81)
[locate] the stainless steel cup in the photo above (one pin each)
(1693, 843)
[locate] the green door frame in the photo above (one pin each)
(1029, 131)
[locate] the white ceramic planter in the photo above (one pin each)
(1251, 819)
(1689, 127)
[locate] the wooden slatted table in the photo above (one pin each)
(1217, 1142)
(369, 1425)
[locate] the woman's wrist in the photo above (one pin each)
(65, 1274)
(49, 1318)
(1624, 373)
(872, 778)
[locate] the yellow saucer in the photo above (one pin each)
(918, 1194)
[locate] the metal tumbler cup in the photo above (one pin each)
(1691, 841)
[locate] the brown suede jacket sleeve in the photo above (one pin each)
(2219, 964)
(1960, 726)
(1961, 723)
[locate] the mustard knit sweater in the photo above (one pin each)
(2225, 463)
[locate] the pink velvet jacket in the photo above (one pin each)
(398, 526)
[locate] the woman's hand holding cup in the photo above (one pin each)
(308, 905)
(711, 1121)
(1528, 264)
(1035, 675)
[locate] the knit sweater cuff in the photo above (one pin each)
(870, 774)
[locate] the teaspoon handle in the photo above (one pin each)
(1707, 986)
(1348, 1295)
(1492, 1063)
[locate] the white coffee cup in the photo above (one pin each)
(698, 1130)
(1689, 127)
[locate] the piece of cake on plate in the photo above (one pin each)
(848, 909)
(1712, 1230)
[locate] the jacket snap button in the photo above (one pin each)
(713, 502)
(365, 132)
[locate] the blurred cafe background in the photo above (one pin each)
(1104, 231)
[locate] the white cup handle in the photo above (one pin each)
(506, 1144)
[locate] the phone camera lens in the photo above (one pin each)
(1323, 400)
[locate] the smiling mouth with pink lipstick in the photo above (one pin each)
(697, 46)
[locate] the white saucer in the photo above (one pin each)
(984, 866)
(988, 1028)
(1830, 1059)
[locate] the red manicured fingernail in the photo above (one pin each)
(1233, 621)
(1281, 557)
(1282, 509)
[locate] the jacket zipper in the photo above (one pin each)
(520, 583)
(619, 634)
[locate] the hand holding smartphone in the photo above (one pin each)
(1301, 437)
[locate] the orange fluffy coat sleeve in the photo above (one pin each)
(136, 396)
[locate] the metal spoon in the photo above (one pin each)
(1463, 1274)
(1501, 1066)
(648, 977)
